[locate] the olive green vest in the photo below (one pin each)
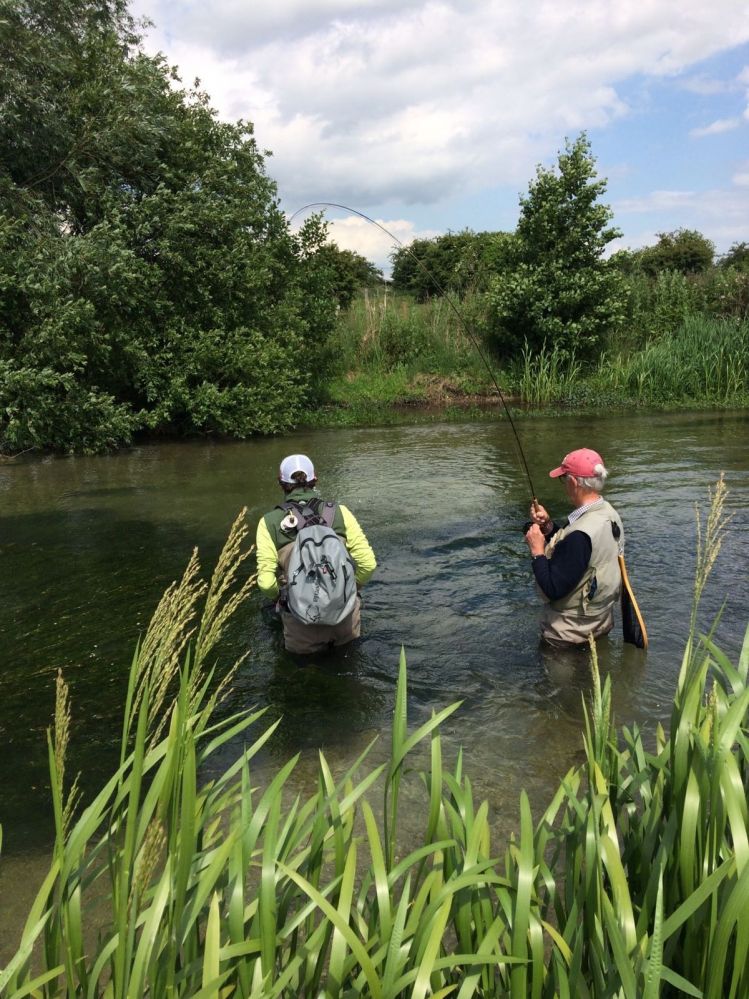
(588, 609)
(274, 517)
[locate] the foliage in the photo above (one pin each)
(560, 291)
(548, 375)
(458, 263)
(634, 880)
(737, 256)
(684, 250)
(384, 331)
(726, 291)
(346, 271)
(149, 280)
(704, 361)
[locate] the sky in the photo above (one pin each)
(432, 116)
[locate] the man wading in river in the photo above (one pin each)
(312, 557)
(575, 562)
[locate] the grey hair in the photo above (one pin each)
(593, 482)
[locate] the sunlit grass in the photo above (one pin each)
(548, 375)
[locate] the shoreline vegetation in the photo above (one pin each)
(152, 287)
(400, 360)
(633, 882)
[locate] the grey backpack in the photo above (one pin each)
(320, 574)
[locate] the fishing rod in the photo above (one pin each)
(463, 324)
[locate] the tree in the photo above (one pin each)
(683, 250)
(346, 272)
(560, 290)
(737, 256)
(150, 280)
(456, 262)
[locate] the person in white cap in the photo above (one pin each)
(276, 534)
(576, 562)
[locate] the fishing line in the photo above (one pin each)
(464, 325)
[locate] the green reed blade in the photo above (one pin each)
(431, 949)
(733, 917)
(350, 937)
(339, 943)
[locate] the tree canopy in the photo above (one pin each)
(456, 262)
(560, 290)
(684, 250)
(150, 280)
(737, 256)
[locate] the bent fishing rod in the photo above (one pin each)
(448, 298)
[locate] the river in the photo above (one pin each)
(89, 543)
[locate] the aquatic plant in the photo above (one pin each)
(705, 361)
(634, 880)
(547, 375)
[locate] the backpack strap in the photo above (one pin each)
(316, 511)
(327, 516)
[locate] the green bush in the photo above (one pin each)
(148, 279)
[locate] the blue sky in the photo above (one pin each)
(430, 115)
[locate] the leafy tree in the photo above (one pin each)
(346, 272)
(684, 250)
(737, 256)
(456, 262)
(149, 279)
(560, 290)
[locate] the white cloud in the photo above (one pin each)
(376, 101)
(354, 233)
(741, 179)
(716, 127)
(720, 214)
(705, 86)
(656, 201)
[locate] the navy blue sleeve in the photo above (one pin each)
(560, 574)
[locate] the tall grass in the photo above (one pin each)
(704, 361)
(634, 881)
(383, 330)
(686, 343)
(550, 375)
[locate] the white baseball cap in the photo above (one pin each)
(296, 463)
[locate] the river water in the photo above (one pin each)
(89, 543)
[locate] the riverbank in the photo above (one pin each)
(393, 360)
(362, 399)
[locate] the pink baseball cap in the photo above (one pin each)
(582, 462)
(296, 463)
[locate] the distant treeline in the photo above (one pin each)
(149, 282)
(539, 286)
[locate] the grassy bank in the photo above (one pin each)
(633, 882)
(395, 359)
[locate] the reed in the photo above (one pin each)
(548, 375)
(634, 882)
(383, 331)
(705, 361)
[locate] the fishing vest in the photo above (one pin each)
(589, 608)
